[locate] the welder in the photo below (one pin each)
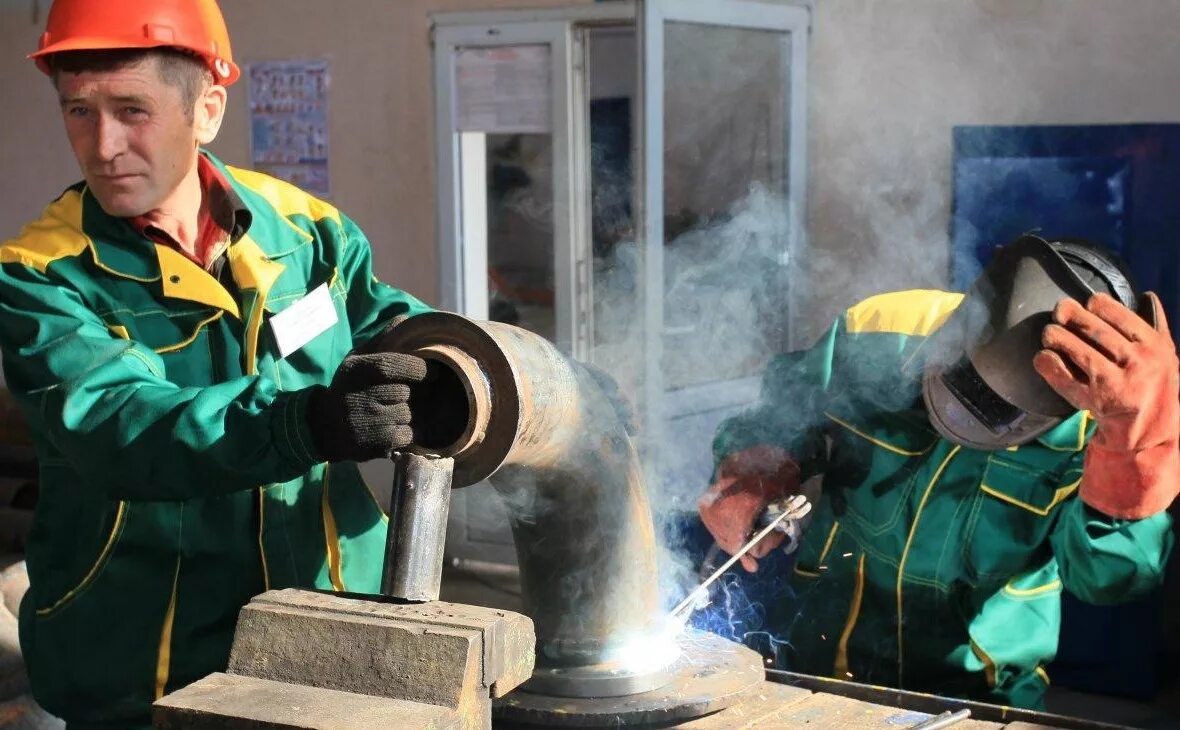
(186, 340)
(980, 454)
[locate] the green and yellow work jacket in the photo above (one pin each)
(176, 473)
(930, 566)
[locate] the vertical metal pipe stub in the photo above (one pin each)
(417, 527)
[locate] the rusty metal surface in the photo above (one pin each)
(436, 653)
(823, 710)
(756, 706)
(541, 427)
(934, 704)
(711, 675)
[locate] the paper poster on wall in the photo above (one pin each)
(289, 122)
(504, 90)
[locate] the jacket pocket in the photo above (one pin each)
(163, 331)
(93, 648)
(87, 574)
(287, 293)
(1010, 520)
(179, 338)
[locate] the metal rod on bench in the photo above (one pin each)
(417, 527)
(943, 720)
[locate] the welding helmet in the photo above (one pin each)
(196, 26)
(978, 383)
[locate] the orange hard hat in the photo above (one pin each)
(91, 25)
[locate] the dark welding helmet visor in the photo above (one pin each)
(979, 384)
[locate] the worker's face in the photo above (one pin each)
(132, 134)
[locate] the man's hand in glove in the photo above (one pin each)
(747, 481)
(1106, 359)
(365, 413)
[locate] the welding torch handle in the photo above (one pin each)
(796, 507)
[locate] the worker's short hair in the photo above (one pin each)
(177, 68)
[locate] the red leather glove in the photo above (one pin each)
(1106, 359)
(747, 481)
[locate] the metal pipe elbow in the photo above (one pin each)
(509, 407)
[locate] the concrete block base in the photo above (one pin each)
(233, 702)
(440, 664)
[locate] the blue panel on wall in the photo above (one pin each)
(999, 198)
(1118, 186)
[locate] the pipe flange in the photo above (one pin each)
(488, 443)
(595, 680)
(711, 674)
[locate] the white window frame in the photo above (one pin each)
(462, 221)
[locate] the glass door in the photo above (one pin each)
(722, 195)
(508, 245)
(626, 179)
(509, 231)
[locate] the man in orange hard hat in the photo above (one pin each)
(180, 335)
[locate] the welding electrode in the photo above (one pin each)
(782, 515)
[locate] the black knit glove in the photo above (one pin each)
(365, 413)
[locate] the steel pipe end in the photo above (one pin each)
(460, 416)
(475, 412)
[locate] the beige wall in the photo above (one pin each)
(889, 80)
(35, 162)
